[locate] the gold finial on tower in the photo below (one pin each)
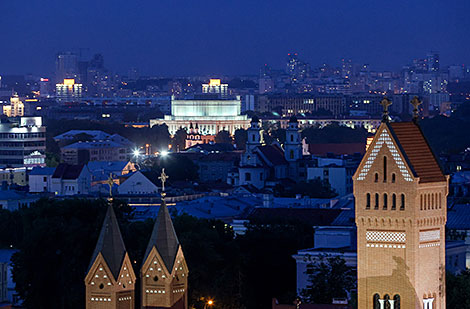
(415, 102)
(163, 177)
(385, 103)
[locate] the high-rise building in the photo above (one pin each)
(296, 68)
(68, 91)
(346, 68)
(15, 109)
(164, 272)
(215, 86)
(66, 66)
(22, 142)
(110, 279)
(45, 88)
(432, 61)
(400, 200)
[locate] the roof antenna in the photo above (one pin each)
(385, 103)
(415, 102)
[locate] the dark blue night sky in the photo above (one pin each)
(175, 37)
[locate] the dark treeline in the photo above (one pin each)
(56, 239)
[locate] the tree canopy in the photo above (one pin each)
(328, 278)
(223, 137)
(56, 239)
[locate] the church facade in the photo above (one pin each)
(400, 194)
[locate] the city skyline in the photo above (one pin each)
(177, 38)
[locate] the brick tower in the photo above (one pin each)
(110, 279)
(400, 193)
(164, 273)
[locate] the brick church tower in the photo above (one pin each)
(164, 273)
(400, 193)
(110, 279)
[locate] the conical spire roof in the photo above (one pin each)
(110, 243)
(164, 238)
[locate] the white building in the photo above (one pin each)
(40, 179)
(211, 115)
(138, 184)
(71, 180)
(335, 171)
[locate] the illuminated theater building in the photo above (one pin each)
(211, 113)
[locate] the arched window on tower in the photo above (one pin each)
(376, 177)
(291, 154)
(402, 205)
(368, 201)
(394, 201)
(292, 137)
(386, 301)
(376, 206)
(393, 177)
(385, 201)
(385, 168)
(396, 298)
(375, 301)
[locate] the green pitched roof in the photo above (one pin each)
(164, 238)
(110, 244)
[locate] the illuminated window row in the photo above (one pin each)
(100, 299)
(125, 298)
(385, 246)
(155, 291)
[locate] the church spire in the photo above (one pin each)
(110, 243)
(110, 277)
(164, 272)
(163, 235)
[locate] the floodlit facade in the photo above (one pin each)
(23, 142)
(400, 194)
(211, 114)
(15, 109)
(68, 91)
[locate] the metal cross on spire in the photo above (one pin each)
(385, 103)
(110, 183)
(415, 102)
(163, 177)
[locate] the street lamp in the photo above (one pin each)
(209, 303)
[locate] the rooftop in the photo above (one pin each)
(417, 152)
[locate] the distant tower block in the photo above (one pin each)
(400, 195)
(164, 273)
(110, 279)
